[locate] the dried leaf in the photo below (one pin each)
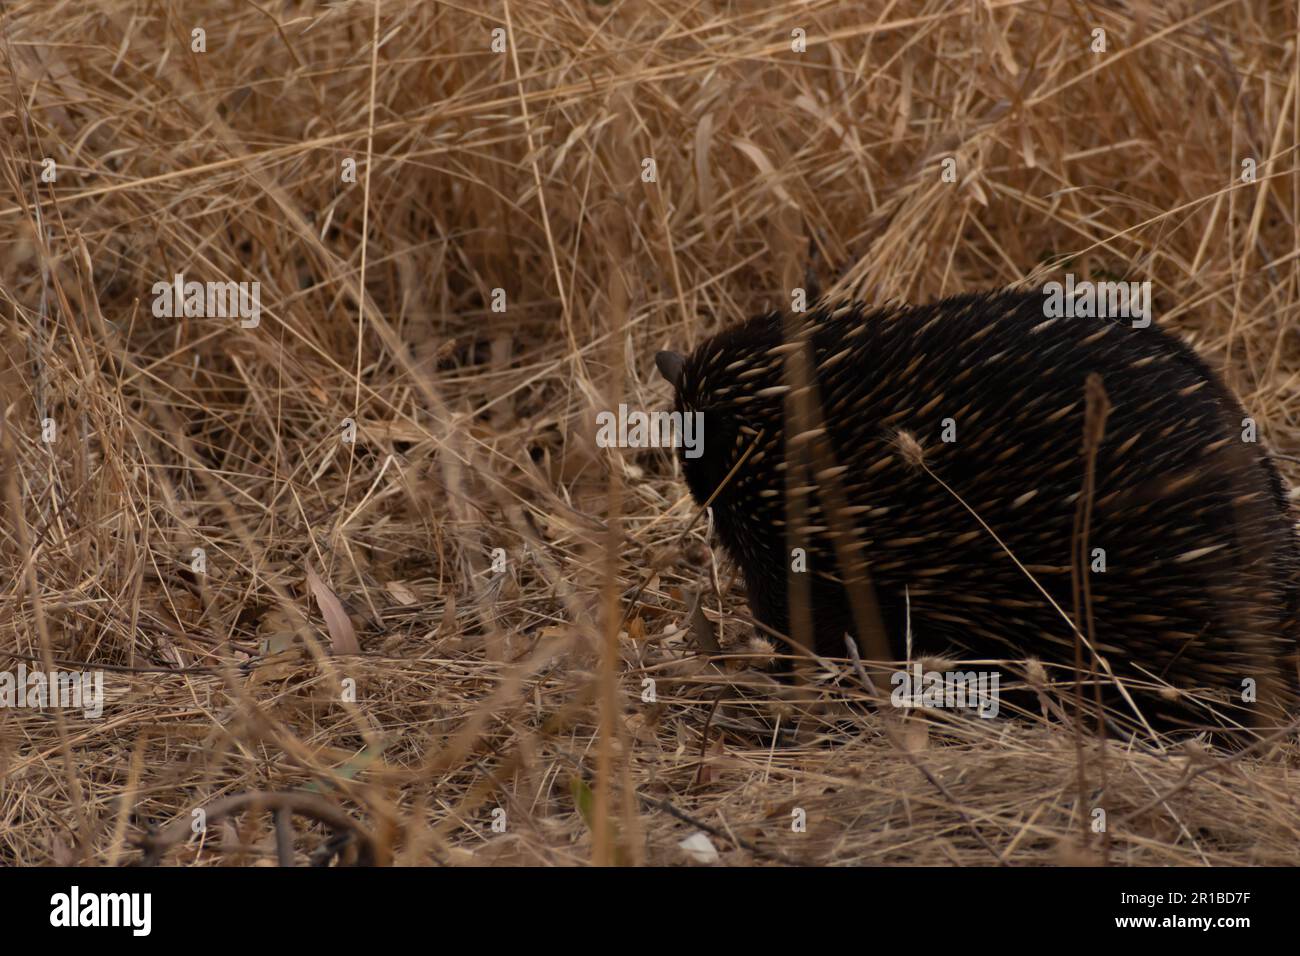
(447, 624)
(401, 593)
(703, 176)
(700, 848)
(343, 637)
(702, 629)
(759, 159)
(916, 735)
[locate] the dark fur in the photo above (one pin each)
(990, 363)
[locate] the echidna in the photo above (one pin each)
(937, 430)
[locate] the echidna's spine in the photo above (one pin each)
(1193, 573)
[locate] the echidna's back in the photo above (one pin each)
(1193, 580)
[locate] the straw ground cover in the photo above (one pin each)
(362, 585)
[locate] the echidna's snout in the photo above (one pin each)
(670, 366)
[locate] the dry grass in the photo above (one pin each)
(521, 689)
